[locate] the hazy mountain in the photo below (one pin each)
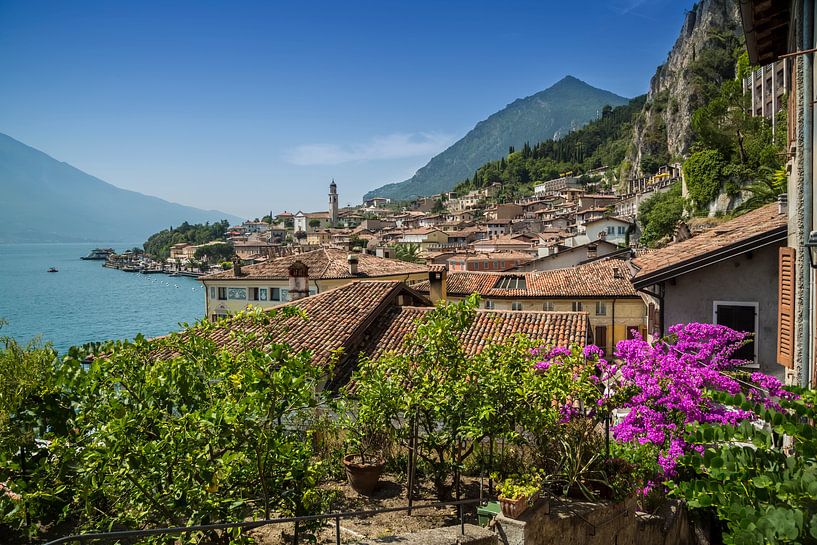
(45, 200)
(552, 113)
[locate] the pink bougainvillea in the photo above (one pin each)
(666, 386)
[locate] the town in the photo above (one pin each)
(606, 335)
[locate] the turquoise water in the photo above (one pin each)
(85, 301)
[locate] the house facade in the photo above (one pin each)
(602, 289)
(725, 275)
(270, 284)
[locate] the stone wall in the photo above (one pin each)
(585, 523)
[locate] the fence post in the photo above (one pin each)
(462, 521)
(337, 530)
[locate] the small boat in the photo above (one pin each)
(52, 269)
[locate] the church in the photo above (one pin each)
(310, 221)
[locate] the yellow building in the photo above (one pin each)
(600, 288)
(270, 283)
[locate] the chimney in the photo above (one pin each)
(236, 266)
(783, 203)
(437, 275)
(352, 260)
(592, 251)
(298, 280)
(681, 232)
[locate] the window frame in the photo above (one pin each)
(751, 304)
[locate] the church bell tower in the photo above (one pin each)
(333, 203)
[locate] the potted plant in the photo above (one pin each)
(518, 492)
(368, 436)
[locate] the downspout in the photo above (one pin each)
(808, 155)
(613, 330)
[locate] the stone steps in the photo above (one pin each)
(449, 535)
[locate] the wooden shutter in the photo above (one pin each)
(785, 307)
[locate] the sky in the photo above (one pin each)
(250, 106)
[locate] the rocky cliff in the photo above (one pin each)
(701, 59)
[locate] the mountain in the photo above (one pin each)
(552, 113)
(701, 59)
(45, 200)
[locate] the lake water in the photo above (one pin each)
(85, 301)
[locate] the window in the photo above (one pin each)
(611, 230)
(622, 230)
(740, 316)
(516, 306)
(262, 294)
(284, 294)
(548, 306)
(577, 306)
(600, 337)
(275, 294)
(489, 304)
(511, 283)
(212, 292)
(237, 294)
(601, 308)
(222, 294)
(254, 294)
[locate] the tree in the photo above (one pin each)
(179, 431)
(215, 253)
(660, 213)
(314, 223)
(407, 251)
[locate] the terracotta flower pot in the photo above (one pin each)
(363, 478)
(513, 508)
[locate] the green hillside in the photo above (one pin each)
(602, 142)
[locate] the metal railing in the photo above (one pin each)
(251, 524)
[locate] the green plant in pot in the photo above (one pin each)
(518, 492)
(367, 423)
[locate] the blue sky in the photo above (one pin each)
(250, 106)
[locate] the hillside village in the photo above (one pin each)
(524, 359)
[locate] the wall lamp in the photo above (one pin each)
(812, 249)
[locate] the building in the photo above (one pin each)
(556, 185)
(610, 229)
(424, 236)
(602, 289)
(562, 257)
(496, 261)
(774, 30)
(333, 203)
(768, 87)
(726, 275)
(304, 221)
(369, 318)
(269, 284)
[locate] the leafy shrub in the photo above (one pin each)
(759, 478)
(705, 174)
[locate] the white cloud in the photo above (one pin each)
(390, 146)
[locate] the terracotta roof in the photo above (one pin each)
(489, 326)
(330, 319)
(741, 234)
(368, 317)
(323, 263)
(596, 279)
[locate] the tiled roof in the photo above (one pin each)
(368, 317)
(489, 326)
(596, 279)
(732, 234)
(331, 318)
(323, 263)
